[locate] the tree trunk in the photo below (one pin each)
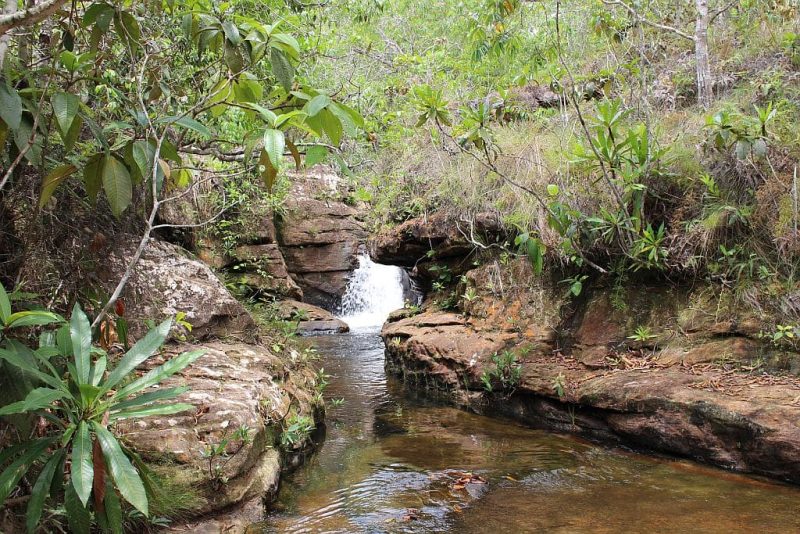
(705, 83)
(5, 39)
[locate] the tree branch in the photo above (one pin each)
(648, 22)
(30, 16)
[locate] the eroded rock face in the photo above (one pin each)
(684, 385)
(232, 386)
(320, 237)
(168, 280)
(438, 239)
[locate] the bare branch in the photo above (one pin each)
(30, 16)
(646, 21)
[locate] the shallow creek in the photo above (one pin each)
(390, 463)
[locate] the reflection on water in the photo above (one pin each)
(390, 463)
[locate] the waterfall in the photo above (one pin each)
(374, 290)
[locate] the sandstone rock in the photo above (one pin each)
(231, 387)
(262, 269)
(167, 280)
(410, 242)
(320, 236)
(311, 319)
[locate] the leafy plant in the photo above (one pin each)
(296, 430)
(642, 334)
(506, 371)
(82, 401)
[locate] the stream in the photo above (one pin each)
(395, 462)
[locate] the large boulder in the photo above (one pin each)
(320, 236)
(167, 280)
(231, 387)
(310, 319)
(437, 240)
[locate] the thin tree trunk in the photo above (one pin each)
(5, 39)
(705, 83)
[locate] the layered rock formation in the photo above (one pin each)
(320, 236)
(675, 369)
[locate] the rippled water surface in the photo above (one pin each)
(390, 463)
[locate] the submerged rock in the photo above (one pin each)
(310, 319)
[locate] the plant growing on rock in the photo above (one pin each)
(296, 431)
(507, 371)
(80, 400)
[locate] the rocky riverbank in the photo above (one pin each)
(667, 367)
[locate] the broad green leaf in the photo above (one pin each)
(297, 115)
(96, 12)
(41, 490)
(233, 57)
(73, 133)
(98, 369)
(188, 122)
(65, 108)
(82, 467)
(113, 509)
(266, 114)
(15, 359)
(291, 44)
(160, 373)
(282, 68)
(152, 396)
(80, 332)
(89, 392)
(5, 305)
(12, 474)
(93, 176)
(10, 106)
(344, 118)
(143, 154)
(231, 32)
(159, 409)
(317, 104)
(117, 185)
(332, 126)
(78, 517)
(38, 399)
(125, 476)
(33, 318)
(53, 180)
(315, 154)
(274, 143)
(142, 350)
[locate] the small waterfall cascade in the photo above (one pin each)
(374, 291)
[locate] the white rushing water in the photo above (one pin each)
(373, 292)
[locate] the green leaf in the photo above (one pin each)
(10, 106)
(117, 185)
(233, 57)
(159, 409)
(266, 114)
(113, 509)
(317, 104)
(80, 332)
(65, 107)
(150, 397)
(160, 373)
(290, 43)
(231, 32)
(18, 361)
(82, 467)
(33, 318)
(126, 478)
(53, 180)
(315, 154)
(187, 122)
(274, 143)
(12, 474)
(41, 490)
(93, 176)
(73, 133)
(37, 399)
(332, 126)
(5, 305)
(282, 68)
(552, 190)
(142, 350)
(78, 517)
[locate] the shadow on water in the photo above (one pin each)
(390, 463)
